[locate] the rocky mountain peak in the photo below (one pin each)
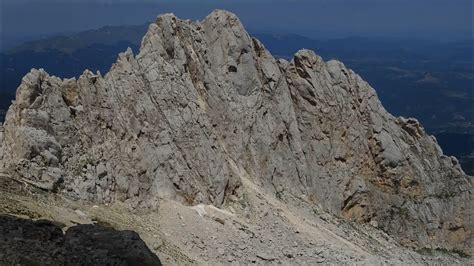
(204, 109)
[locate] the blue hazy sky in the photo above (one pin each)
(428, 19)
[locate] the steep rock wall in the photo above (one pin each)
(204, 105)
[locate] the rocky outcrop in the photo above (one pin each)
(28, 242)
(204, 106)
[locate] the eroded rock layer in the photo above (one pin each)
(203, 106)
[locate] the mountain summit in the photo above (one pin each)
(204, 112)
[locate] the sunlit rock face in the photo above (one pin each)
(203, 106)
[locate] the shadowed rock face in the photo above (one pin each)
(204, 106)
(28, 242)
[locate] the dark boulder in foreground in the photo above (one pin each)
(28, 242)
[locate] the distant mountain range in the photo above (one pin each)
(68, 44)
(428, 80)
(65, 56)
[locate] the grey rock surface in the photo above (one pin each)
(203, 106)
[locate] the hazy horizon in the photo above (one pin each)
(321, 19)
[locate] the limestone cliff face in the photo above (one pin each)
(203, 106)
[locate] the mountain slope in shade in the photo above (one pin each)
(204, 111)
(108, 35)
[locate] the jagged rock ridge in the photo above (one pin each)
(204, 106)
